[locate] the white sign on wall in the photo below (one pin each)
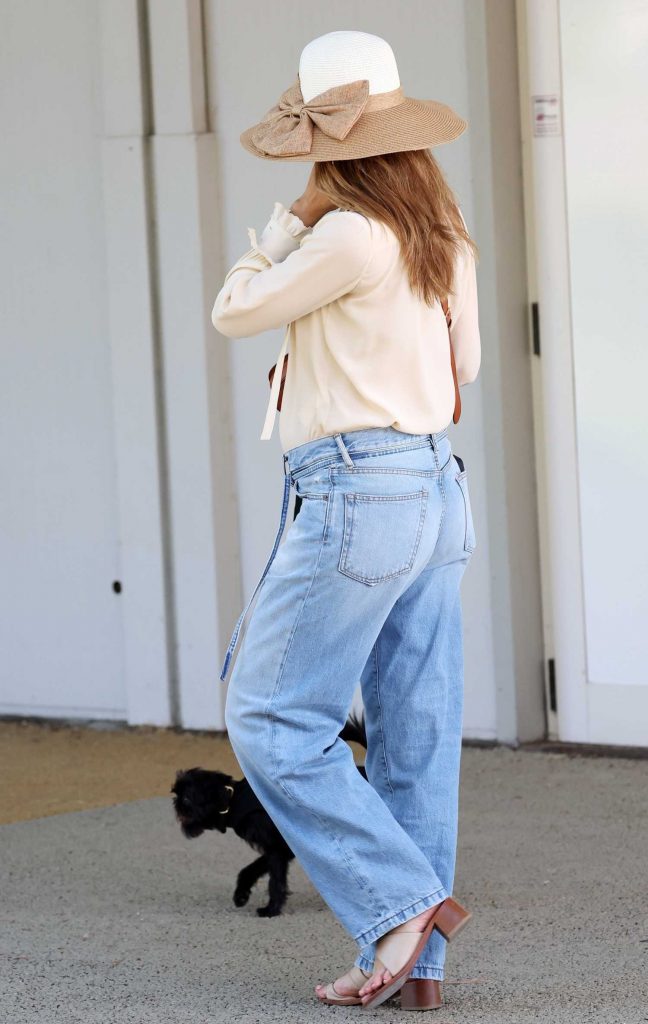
(546, 115)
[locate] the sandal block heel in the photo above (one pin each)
(451, 918)
(421, 994)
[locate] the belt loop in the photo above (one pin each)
(348, 461)
(433, 442)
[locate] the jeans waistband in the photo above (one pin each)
(345, 443)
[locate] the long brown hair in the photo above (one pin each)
(408, 192)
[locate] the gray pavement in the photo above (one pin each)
(111, 916)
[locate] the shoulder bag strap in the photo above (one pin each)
(271, 374)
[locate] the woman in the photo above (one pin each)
(366, 585)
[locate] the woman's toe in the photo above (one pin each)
(371, 984)
(376, 981)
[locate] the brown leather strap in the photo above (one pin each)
(457, 406)
(283, 380)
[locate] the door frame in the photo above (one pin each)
(578, 710)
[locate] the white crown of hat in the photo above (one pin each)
(345, 56)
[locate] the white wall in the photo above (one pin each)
(135, 450)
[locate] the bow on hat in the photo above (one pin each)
(287, 128)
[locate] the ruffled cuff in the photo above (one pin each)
(281, 235)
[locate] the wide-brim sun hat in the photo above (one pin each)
(347, 103)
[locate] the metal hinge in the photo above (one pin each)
(551, 680)
(535, 327)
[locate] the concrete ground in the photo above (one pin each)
(109, 915)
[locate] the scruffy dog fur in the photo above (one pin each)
(211, 800)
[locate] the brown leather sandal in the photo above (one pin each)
(421, 994)
(398, 951)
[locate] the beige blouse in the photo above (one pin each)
(365, 351)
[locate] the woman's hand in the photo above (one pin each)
(312, 204)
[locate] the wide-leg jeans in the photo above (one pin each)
(364, 588)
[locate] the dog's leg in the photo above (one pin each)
(277, 886)
(247, 878)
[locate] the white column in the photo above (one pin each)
(138, 425)
(558, 379)
(204, 547)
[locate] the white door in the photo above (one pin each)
(60, 621)
(587, 84)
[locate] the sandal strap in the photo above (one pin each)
(357, 977)
(333, 996)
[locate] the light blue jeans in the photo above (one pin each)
(365, 587)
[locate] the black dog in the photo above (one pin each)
(206, 800)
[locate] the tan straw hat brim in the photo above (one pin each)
(413, 124)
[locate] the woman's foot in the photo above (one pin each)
(382, 976)
(343, 990)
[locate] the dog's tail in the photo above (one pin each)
(354, 729)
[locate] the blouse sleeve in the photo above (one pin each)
(291, 271)
(464, 330)
(281, 235)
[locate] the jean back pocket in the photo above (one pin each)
(381, 534)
